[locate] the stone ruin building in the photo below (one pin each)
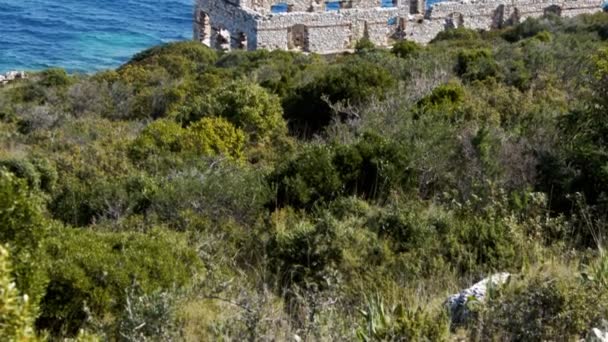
(331, 26)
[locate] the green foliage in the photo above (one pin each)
(159, 136)
(405, 48)
(382, 323)
(55, 78)
(23, 229)
(526, 29)
(304, 252)
(214, 136)
(445, 97)
(250, 108)
(542, 307)
(38, 173)
(476, 64)
(460, 33)
(188, 52)
(353, 82)
(206, 137)
(364, 45)
(369, 168)
(16, 316)
(148, 317)
(89, 272)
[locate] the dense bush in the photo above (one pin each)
(477, 64)
(353, 82)
(370, 168)
(89, 273)
(541, 308)
(405, 49)
(16, 316)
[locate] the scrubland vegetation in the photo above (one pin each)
(202, 196)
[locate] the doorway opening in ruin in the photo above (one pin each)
(203, 23)
(515, 18)
(297, 37)
(553, 10)
(417, 6)
(498, 17)
(454, 20)
(241, 41)
(222, 40)
(280, 7)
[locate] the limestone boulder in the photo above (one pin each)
(457, 303)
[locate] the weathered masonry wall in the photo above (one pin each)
(310, 25)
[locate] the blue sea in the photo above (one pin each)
(86, 35)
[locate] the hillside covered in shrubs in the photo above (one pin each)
(274, 196)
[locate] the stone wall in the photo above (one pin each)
(248, 24)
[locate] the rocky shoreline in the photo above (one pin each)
(11, 76)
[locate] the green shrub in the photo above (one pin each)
(369, 168)
(446, 96)
(541, 308)
(16, 316)
(405, 48)
(192, 52)
(461, 33)
(214, 136)
(363, 45)
(249, 107)
(396, 323)
(160, 136)
(23, 229)
(303, 252)
(353, 82)
(90, 272)
(526, 29)
(476, 64)
(55, 78)
(38, 173)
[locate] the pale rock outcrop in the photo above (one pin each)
(457, 303)
(11, 76)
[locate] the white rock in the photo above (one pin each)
(457, 303)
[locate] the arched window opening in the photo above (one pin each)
(298, 38)
(332, 5)
(454, 20)
(203, 23)
(388, 3)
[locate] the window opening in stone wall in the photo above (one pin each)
(298, 38)
(281, 7)
(498, 17)
(515, 18)
(388, 3)
(222, 40)
(454, 20)
(332, 5)
(204, 28)
(241, 41)
(417, 6)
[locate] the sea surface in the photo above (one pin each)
(86, 35)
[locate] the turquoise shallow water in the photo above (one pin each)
(86, 35)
